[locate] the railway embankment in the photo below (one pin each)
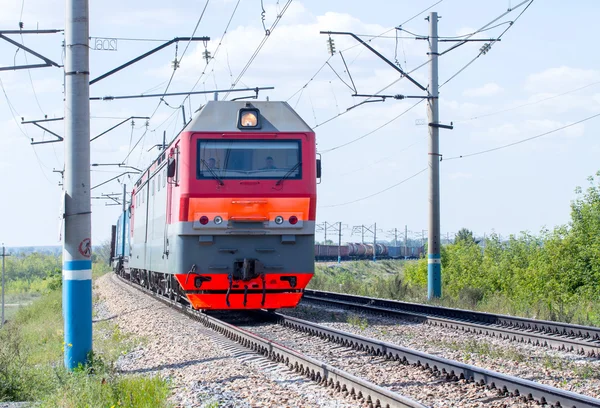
(31, 362)
(565, 370)
(203, 368)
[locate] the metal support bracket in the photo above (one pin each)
(47, 61)
(374, 51)
(141, 57)
(439, 125)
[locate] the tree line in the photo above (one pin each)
(554, 274)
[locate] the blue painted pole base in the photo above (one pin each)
(77, 312)
(434, 276)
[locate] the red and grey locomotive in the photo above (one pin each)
(225, 216)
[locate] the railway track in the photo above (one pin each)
(368, 392)
(317, 371)
(584, 340)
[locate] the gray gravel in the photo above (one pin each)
(410, 381)
(204, 368)
(559, 369)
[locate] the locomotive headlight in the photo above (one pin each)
(218, 220)
(249, 118)
(279, 219)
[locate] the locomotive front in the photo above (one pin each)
(237, 227)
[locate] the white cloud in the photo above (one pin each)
(488, 89)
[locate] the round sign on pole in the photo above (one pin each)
(85, 247)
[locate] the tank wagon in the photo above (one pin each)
(224, 218)
(357, 251)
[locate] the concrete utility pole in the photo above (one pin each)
(434, 263)
(405, 241)
(77, 247)
(124, 224)
(340, 242)
(4, 255)
(374, 242)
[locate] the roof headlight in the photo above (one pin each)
(249, 118)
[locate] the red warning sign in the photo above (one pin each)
(85, 247)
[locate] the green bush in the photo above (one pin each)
(31, 360)
(554, 275)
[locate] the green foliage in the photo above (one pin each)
(101, 254)
(31, 366)
(554, 275)
(358, 322)
(384, 279)
(464, 235)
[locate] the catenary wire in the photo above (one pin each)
(377, 193)
(491, 43)
(523, 140)
(374, 130)
(485, 115)
(260, 46)
(171, 78)
(15, 115)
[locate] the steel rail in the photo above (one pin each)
(452, 370)
(317, 371)
(565, 336)
(559, 342)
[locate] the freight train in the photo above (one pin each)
(352, 251)
(224, 217)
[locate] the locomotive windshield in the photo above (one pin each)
(237, 159)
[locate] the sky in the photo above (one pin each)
(541, 76)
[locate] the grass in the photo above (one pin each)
(358, 322)
(385, 279)
(31, 363)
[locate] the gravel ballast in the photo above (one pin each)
(564, 370)
(204, 368)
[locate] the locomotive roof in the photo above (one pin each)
(222, 116)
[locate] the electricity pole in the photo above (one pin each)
(77, 246)
(123, 233)
(4, 255)
(374, 242)
(405, 241)
(340, 242)
(434, 264)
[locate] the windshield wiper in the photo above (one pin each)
(214, 174)
(286, 175)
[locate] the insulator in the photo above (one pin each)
(175, 63)
(206, 55)
(331, 46)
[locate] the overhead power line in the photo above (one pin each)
(487, 46)
(374, 130)
(260, 46)
(175, 65)
(485, 115)
(522, 140)
(379, 192)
